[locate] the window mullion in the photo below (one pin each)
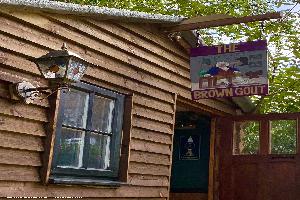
(87, 133)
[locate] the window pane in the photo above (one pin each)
(99, 152)
(102, 114)
(246, 138)
(283, 136)
(76, 107)
(70, 148)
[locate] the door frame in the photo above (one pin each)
(213, 157)
(213, 161)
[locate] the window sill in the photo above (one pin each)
(85, 181)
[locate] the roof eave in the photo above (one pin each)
(88, 10)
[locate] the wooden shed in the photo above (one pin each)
(139, 71)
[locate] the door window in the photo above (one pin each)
(283, 136)
(246, 137)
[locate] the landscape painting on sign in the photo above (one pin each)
(229, 70)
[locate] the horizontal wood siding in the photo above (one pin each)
(129, 58)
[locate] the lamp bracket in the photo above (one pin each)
(26, 91)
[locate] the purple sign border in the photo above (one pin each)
(243, 46)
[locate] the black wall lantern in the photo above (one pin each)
(60, 67)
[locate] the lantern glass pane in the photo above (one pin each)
(52, 68)
(76, 69)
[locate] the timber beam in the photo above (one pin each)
(215, 20)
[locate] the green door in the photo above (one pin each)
(190, 153)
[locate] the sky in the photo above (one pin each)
(286, 8)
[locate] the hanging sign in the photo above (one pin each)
(229, 70)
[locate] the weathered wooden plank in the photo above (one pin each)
(126, 138)
(126, 83)
(100, 73)
(138, 98)
(19, 109)
(153, 136)
(90, 46)
(19, 173)
(153, 103)
(19, 157)
(151, 158)
(8, 77)
(18, 62)
(186, 93)
(150, 169)
(151, 125)
(222, 22)
(3, 85)
(182, 92)
(205, 18)
(188, 195)
(154, 38)
(47, 156)
(207, 105)
(139, 77)
(123, 34)
(4, 90)
(143, 145)
(212, 162)
(19, 125)
(11, 75)
(98, 34)
(172, 139)
(105, 198)
(152, 114)
(146, 67)
(20, 46)
(29, 189)
(41, 38)
(21, 141)
(148, 180)
(182, 88)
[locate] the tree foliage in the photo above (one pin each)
(282, 35)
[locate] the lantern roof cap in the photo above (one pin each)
(59, 53)
(64, 52)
